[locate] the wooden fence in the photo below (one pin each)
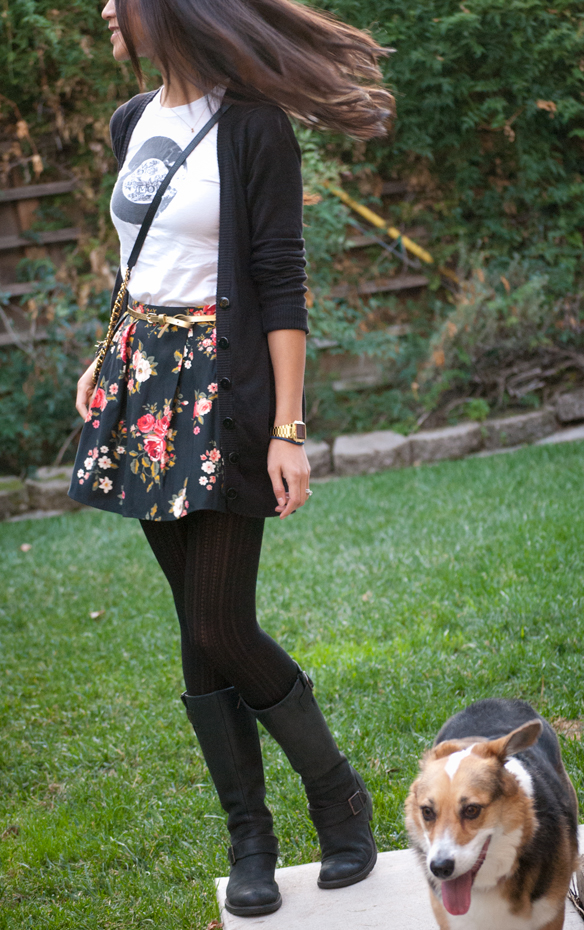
(18, 213)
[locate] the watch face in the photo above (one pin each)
(300, 431)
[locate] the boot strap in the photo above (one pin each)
(306, 697)
(337, 813)
(266, 843)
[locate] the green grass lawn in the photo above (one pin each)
(405, 595)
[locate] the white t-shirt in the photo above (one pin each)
(177, 266)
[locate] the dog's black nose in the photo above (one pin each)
(442, 868)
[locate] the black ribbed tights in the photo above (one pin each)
(211, 563)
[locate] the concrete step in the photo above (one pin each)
(572, 434)
(401, 282)
(394, 897)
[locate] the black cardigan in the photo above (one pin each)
(260, 280)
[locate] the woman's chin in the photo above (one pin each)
(119, 50)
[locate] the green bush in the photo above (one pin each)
(490, 137)
(38, 380)
(490, 102)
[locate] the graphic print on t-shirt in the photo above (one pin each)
(135, 190)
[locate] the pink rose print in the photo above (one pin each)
(154, 447)
(161, 426)
(100, 400)
(214, 455)
(146, 423)
(131, 385)
(126, 333)
(202, 406)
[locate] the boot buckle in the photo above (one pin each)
(353, 800)
(308, 687)
(231, 855)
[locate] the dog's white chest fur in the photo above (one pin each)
(489, 911)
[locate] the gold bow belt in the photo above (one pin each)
(164, 320)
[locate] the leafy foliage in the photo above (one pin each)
(497, 328)
(490, 100)
(38, 380)
(490, 120)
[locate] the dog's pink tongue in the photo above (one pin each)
(456, 893)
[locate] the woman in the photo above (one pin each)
(195, 424)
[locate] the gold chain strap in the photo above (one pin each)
(102, 347)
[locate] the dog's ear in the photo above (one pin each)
(445, 749)
(516, 741)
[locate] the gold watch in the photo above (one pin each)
(292, 432)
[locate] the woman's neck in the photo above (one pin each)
(179, 93)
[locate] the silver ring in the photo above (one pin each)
(309, 492)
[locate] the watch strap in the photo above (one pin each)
(295, 442)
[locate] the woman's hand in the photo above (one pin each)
(85, 390)
(288, 462)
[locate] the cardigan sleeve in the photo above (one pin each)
(274, 205)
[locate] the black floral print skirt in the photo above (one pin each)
(150, 443)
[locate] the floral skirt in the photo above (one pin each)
(150, 443)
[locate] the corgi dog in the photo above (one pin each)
(493, 818)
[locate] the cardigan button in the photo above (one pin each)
(234, 458)
(223, 342)
(231, 494)
(229, 423)
(224, 303)
(225, 384)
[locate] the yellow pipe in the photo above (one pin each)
(376, 220)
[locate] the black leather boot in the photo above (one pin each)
(229, 738)
(338, 802)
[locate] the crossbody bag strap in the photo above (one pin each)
(103, 347)
(152, 209)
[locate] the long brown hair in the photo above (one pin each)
(319, 69)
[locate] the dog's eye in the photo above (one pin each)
(428, 814)
(471, 811)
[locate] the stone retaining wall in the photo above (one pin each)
(360, 454)
(370, 452)
(46, 492)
